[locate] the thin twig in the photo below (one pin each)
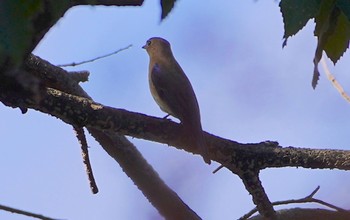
(335, 83)
(97, 58)
(219, 168)
(21, 212)
(328, 205)
(306, 199)
(84, 151)
(313, 192)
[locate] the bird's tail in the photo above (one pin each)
(198, 140)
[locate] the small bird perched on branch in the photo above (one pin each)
(173, 92)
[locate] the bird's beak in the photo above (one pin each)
(144, 47)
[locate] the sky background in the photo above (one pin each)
(249, 90)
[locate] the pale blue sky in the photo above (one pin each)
(249, 90)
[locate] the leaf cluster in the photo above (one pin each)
(332, 29)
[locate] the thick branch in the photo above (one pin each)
(130, 159)
(235, 156)
(253, 185)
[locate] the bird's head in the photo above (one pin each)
(157, 46)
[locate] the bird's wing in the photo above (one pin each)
(175, 90)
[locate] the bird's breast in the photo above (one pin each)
(158, 97)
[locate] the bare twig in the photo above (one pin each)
(85, 153)
(313, 192)
(94, 59)
(306, 199)
(219, 168)
(21, 212)
(328, 205)
(335, 83)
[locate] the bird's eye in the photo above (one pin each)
(148, 42)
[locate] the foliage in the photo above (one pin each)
(22, 25)
(167, 6)
(16, 27)
(332, 18)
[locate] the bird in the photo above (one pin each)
(173, 92)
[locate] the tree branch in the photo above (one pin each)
(86, 113)
(21, 212)
(253, 185)
(167, 202)
(96, 58)
(342, 213)
(56, 98)
(86, 159)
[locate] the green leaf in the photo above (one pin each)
(296, 13)
(326, 21)
(316, 74)
(323, 17)
(16, 28)
(58, 8)
(167, 6)
(344, 6)
(332, 18)
(338, 41)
